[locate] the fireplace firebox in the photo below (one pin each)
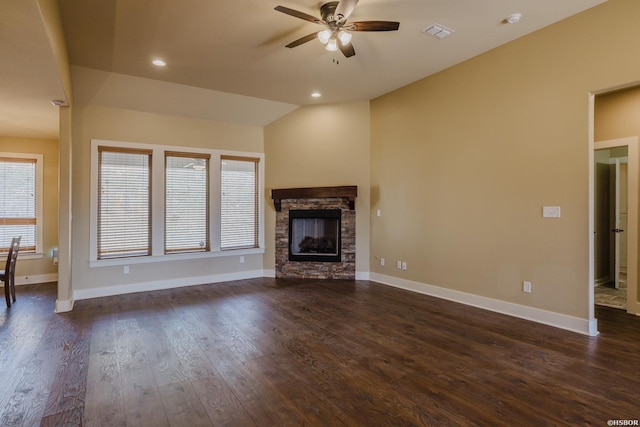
(314, 235)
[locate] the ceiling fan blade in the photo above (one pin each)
(372, 26)
(302, 40)
(344, 9)
(298, 14)
(347, 49)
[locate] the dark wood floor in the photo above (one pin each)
(278, 353)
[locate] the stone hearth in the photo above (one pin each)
(321, 198)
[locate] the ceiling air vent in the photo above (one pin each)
(438, 31)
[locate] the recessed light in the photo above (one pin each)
(57, 102)
(316, 95)
(513, 18)
(159, 62)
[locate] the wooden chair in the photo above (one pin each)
(8, 275)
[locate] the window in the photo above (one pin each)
(239, 202)
(21, 201)
(186, 202)
(124, 202)
(154, 202)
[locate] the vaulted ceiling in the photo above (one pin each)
(238, 47)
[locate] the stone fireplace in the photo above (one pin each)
(315, 232)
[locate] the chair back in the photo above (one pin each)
(9, 256)
(12, 257)
(8, 275)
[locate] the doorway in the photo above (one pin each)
(611, 220)
(615, 223)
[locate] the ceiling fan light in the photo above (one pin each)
(324, 36)
(344, 37)
(332, 44)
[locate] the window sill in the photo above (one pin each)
(173, 257)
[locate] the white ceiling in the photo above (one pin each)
(237, 47)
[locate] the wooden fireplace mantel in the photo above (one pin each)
(349, 192)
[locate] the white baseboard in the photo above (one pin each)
(362, 275)
(269, 273)
(36, 278)
(563, 321)
(157, 285)
(63, 306)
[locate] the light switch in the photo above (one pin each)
(551, 212)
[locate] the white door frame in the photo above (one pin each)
(617, 222)
(631, 143)
(593, 323)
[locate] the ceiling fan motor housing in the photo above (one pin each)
(328, 10)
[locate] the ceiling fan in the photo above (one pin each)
(336, 33)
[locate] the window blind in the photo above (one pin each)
(18, 213)
(124, 202)
(186, 202)
(239, 202)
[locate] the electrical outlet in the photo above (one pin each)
(125, 269)
(526, 287)
(241, 259)
(382, 262)
(399, 265)
(404, 265)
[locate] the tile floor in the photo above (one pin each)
(608, 296)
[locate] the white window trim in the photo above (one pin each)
(39, 158)
(157, 205)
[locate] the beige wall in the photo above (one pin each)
(95, 122)
(617, 114)
(49, 150)
(463, 162)
(320, 146)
